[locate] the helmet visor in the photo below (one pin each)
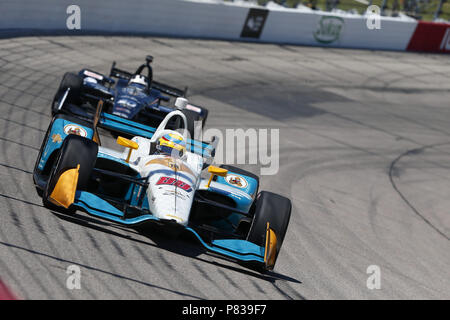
(171, 151)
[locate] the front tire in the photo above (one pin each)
(272, 208)
(74, 150)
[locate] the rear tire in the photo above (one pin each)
(72, 81)
(74, 150)
(205, 116)
(191, 118)
(272, 208)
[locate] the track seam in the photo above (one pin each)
(394, 185)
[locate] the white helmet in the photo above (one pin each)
(139, 79)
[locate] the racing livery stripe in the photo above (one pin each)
(168, 162)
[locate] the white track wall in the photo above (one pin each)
(163, 17)
(199, 20)
(299, 28)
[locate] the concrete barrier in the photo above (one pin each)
(215, 21)
(326, 29)
(160, 17)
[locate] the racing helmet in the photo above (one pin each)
(139, 79)
(172, 144)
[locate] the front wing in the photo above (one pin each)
(238, 249)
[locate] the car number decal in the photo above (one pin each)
(174, 182)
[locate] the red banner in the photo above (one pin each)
(430, 37)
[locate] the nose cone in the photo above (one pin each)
(170, 190)
(172, 205)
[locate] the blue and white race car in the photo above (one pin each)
(133, 96)
(157, 178)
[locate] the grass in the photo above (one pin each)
(426, 10)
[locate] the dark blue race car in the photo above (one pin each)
(133, 96)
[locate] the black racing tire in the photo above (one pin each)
(75, 83)
(191, 117)
(205, 116)
(44, 142)
(242, 172)
(74, 150)
(272, 208)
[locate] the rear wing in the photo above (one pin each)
(164, 88)
(127, 127)
(169, 90)
(120, 74)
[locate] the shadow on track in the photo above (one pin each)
(185, 244)
(12, 246)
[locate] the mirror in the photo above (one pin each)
(218, 171)
(127, 143)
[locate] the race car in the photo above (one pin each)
(157, 178)
(133, 96)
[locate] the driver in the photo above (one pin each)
(140, 81)
(172, 144)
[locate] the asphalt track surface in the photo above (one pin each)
(364, 156)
